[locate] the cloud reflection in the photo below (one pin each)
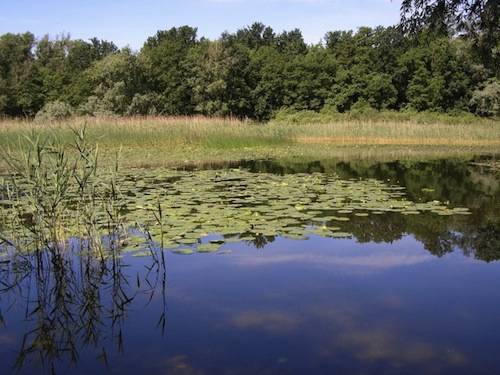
(180, 365)
(274, 322)
(345, 331)
(379, 261)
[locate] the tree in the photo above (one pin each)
(449, 63)
(256, 36)
(478, 19)
(80, 57)
(291, 43)
(380, 92)
(164, 59)
(51, 61)
(272, 68)
(115, 80)
(309, 79)
(485, 101)
(21, 90)
(435, 76)
(212, 67)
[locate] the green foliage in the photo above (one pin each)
(21, 85)
(252, 73)
(479, 20)
(361, 110)
(380, 91)
(438, 76)
(363, 107)
(220, 83)
(115, 80)
(55, 110)
(164, 60)
(143, 104)
(486, 101)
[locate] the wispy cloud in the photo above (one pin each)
(373, 261)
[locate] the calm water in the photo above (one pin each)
(407, 294)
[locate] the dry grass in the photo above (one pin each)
(153, 141)
(379, 141)
(378, 132)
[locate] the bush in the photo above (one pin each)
(362, 111)
(95, 107)
(89, 107)
(486, 101)
(143, 105)
(54, 111)
(362, 107)
(292, 116)
(3, 102)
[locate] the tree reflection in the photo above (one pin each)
(74, 300)
(459, 182)
(483, 243)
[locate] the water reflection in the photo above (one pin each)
(475, 237)
(342, 306)
(408, 294)
(343, 254)
(465, 183)
(72, 303)
(296, 306)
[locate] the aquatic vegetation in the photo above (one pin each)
(51, 198)
(238, 203)
(62, 240)
(183, 252)
(208, 248)
(491, 165)
(177, 209)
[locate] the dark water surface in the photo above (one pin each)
(406, 295)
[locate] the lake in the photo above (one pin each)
(273, 267)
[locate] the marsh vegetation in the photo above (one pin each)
(254, 204)
(86, 249)
(177, 141)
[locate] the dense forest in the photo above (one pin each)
(439, 58)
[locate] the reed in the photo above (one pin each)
(173, 141)
(57, 193)
(63, 235)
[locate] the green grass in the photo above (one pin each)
(290, 116)
(173, 141)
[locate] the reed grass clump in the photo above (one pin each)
(56, 192)
(153, 141)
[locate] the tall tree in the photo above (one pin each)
(164, 58)
(479, 19)
(21, 85)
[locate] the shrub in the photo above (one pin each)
(89, 107)
(292, 116)
(486, 101)
(95, 106)
(143, 104)
(54, 111)
(361, 111)
(362, 107)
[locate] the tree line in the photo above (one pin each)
(255, 71)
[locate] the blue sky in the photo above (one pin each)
(130, 22)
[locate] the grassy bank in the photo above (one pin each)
(168, 141)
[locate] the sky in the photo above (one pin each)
(130, 22)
